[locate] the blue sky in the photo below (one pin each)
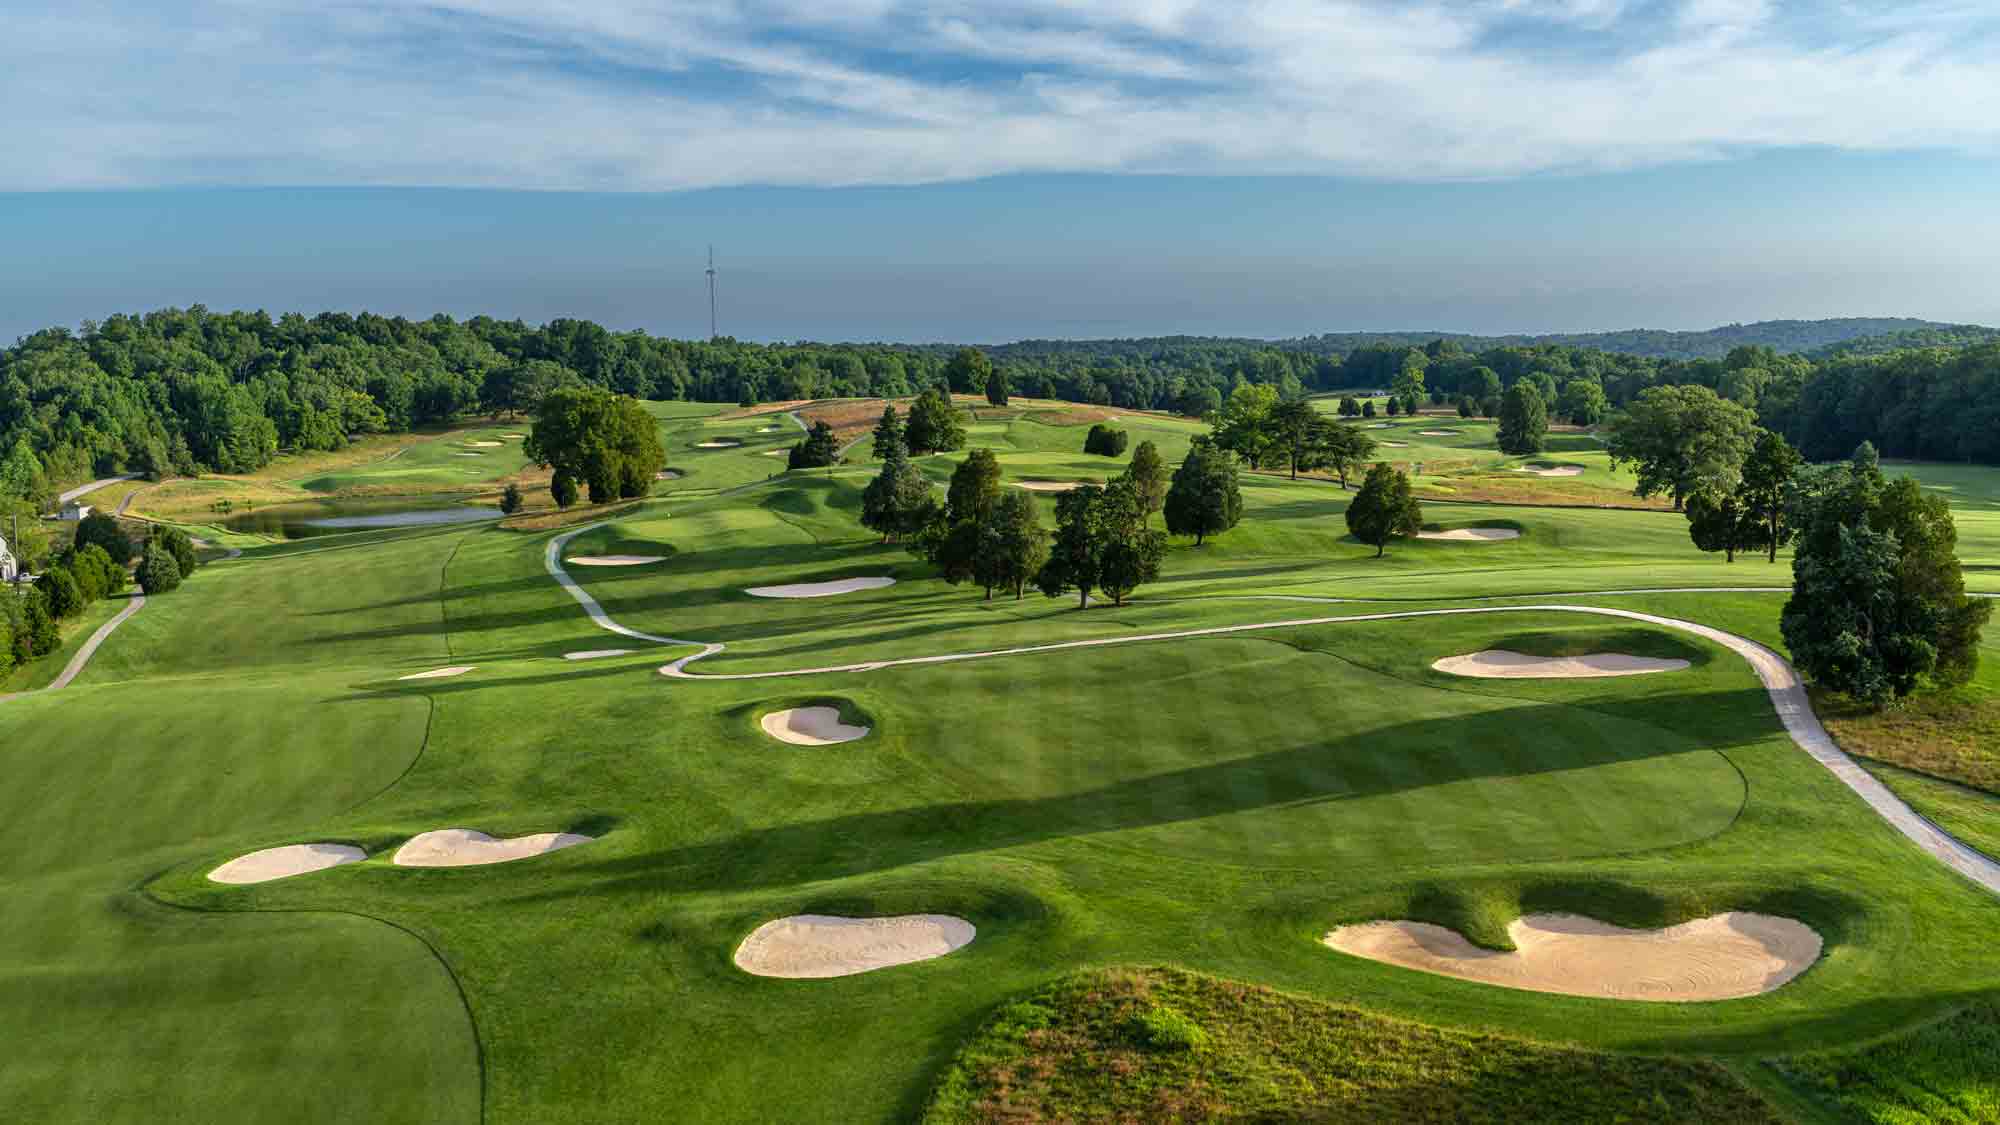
(871, 169)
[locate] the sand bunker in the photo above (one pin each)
(468, 455)
(1500, 664)
(819, 589)
(1722, 957)
(485, 444)
(1437, 433)
(1558, 471)
(462, 847)
(774, 453)
(613, 560)
(810, 726)
(816, 946)
(1395, 444)
(439, 673)
(725, 444)
(598, 653)
(1472, 534)
(1049, 485)
(1377, 426)
(667, 474)
(280, 863)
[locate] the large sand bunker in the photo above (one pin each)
(726, 443)
(819, 589)
(810, 726)
(816, 946)
(1500, 664)
(1049, 485)
(280, 863)
(463, 847)
(439, 673)
(613, 560)
(1558, 471)
(1722, 957)
(1472, 534)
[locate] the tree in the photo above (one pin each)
(510, 500)
(1490, 407)
(1409, 380)
(562, 489)
(1101, 541)
(38, 635)
(178, 545)
(1013, 546)
(1148, 474)
(65, 597)
(1395, 406)
(518, 388)
(1480, 384)
(1583, 402)
(605, 440)
(818, 450)
(1241, 426)
(1524, 420)
(1368, 408)
(1203, 499)
(20, 471)
(934, 425)
(1346, 450)
(96, 574)
(1412, 405)
(888, 431)
(102, 530)
(967, 373)
(1682, 439)
(1073, 556)
(898, 501)
(1384, 509)
(1466, 407)
(1200, 401)
(1878, 601)
(1349, 407)
(158, 572)
(974, 491)
(1105, 441)
(1768, 475)
(996, 387)
(1721, 521)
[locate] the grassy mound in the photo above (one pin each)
(1169, 1045)
(1943, 1072)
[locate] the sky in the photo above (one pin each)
(985, 171)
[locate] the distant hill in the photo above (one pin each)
(1938, 336)
(1715, 343)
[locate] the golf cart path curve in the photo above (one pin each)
(93, 486)
(1781, 683)
(89, 649)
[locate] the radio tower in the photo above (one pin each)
(711, 292)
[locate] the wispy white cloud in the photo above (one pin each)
(625, 94)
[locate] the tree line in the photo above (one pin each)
(97, 564)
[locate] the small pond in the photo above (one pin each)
(330, 517)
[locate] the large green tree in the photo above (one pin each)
(1682, 439)
(1300, 434)
(1013, 547)
(934, 424)
(1101, 542)
(1524, 420)
(1345, 451)
(818, 450)
(967, 372)
(1768, 476)
(607, 441)
(101, 529)
(1204, 499)
(898, 502)
(1242, 426)
(1148, 474)
(1722, 521)
(1582, 402)
(158, 572)
(996, 387)
(888, 431)
(1384, 509)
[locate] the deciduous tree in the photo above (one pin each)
(1524, 420)
(1203, 499)
(1148, 474)
(158, 572)
(934, 424)
(1682, 439)
(1384, 509)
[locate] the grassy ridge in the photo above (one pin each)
(1167, 1045)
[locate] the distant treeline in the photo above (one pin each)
(184, 391)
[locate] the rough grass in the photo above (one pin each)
(1953, 735)
(1161, 1044)
(1945, 1072)
(1972, 815)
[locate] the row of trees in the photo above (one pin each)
(93, 567)
(1267, 433)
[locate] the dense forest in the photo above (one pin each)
(185, 391)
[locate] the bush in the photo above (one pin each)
(38, 637)
(177, 544)
(510, 500)
(1105, 441)
(1368, 409)
(158, 572)
(1395, 407)
(104, 531)
(1167, 1029)
(562, 486)
(65, 596)
(1466, 407)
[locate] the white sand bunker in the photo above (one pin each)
(1500, 664)
(280, 863)
(1472, 534)
(440, 673)
(810, 726)
(1378, 425)
(1558, 471)
(819, 589)
(468, 455)
(613, 560)
(1049, 485)
(485, 444)
(598, 653)
(1437, 433)
(1395, 444)
(816, 946)
(667, 474)
(1722, 957)
(726, 443)
(463, 847)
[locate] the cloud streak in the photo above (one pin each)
(631, 95)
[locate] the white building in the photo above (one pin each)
(9, 568)
(74, 511)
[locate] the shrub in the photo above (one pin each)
(177, 544)
(510, 500)
(1168, 1029)
(1105, 441)
(65, 596)
(562, 486)
(158, 572)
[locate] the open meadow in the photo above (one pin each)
(1151, 815)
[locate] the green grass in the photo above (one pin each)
(1213, 803)
(1943, 1072)
(38, 673)
(451, 461)
(1166, 1045)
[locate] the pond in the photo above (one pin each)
(330, 517)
